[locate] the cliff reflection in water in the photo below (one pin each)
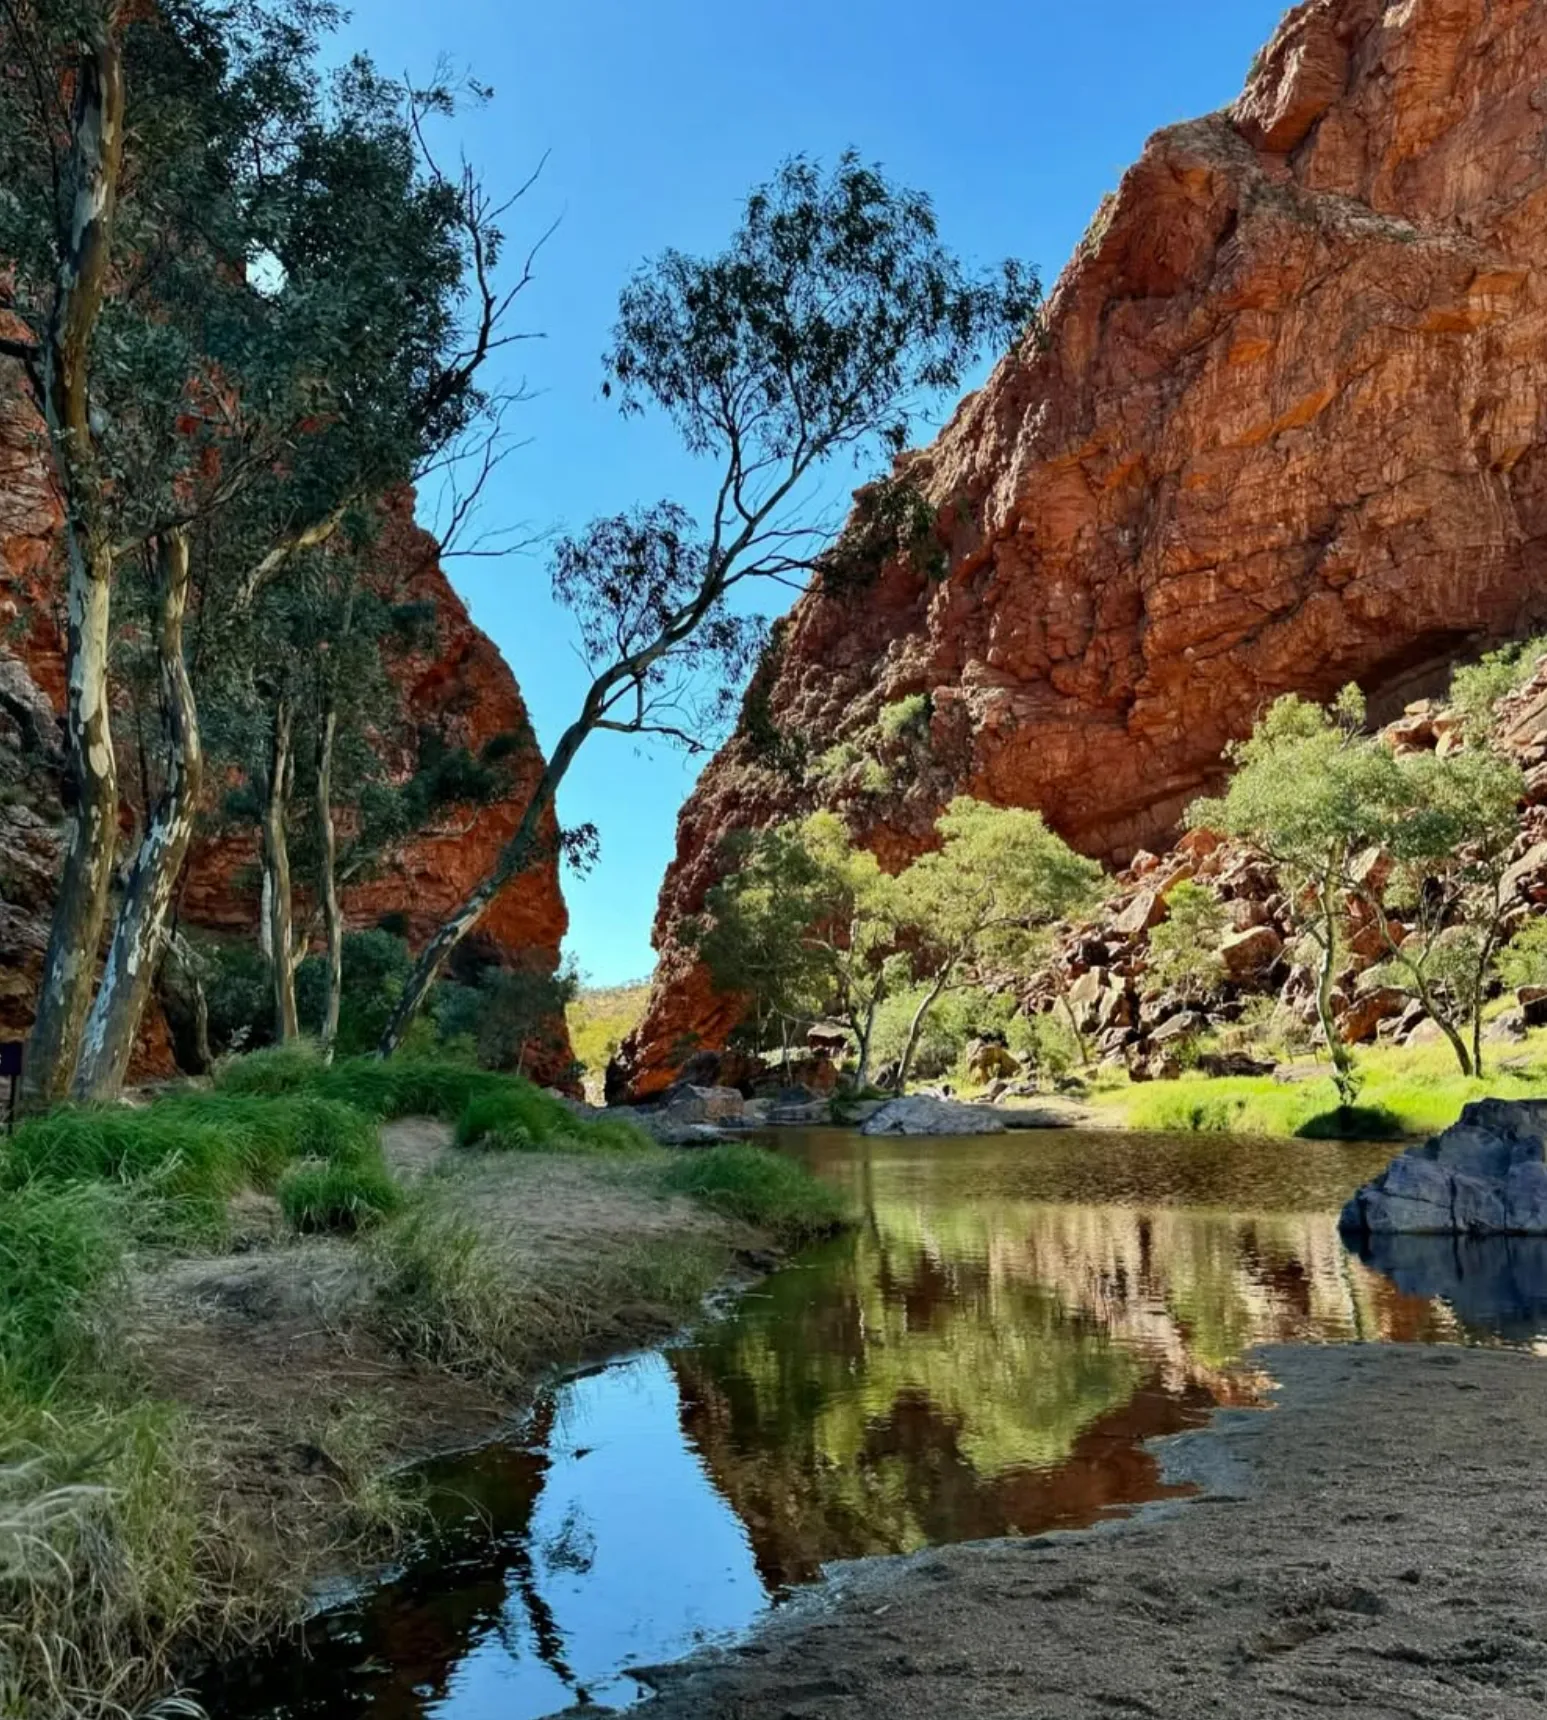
(986, 1356)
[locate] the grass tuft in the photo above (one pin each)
(59, 1250)
(758, 1187)
(518, 1117)
(316, 1196)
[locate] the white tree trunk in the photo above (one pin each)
(276, 867)
(80, 908)
(327, 880)
(113, 1024)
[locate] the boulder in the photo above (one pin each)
(1533, 1004)
(1143, 912)
(1251, 952)
(1484, 1176)
(991, 1060)
(1368, 1009)
(685, 1103)
(1182, 1026)
(1234, 1063)
(922, 1115)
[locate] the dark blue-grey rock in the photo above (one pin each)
(1495, 1284)
(1486, 1175)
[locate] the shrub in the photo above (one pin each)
(239, 995)
(1523, 961)
(1184, 949)
(760, 1187)
(905, 716)
(375, 966)
(1476, 689)
(278, 1069)
(347, 1196)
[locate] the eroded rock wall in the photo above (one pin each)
(1285, 431)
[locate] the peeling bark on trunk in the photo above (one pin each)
(327, 880)
(113, 1024)
(80, 908)
(276, 868)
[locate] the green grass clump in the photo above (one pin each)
(515, 1116)
(1405, 1091)
(758, 1187)
(342, 1196)
(291, 1068)
(60, 1248)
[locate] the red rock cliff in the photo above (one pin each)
(464, 690)
(1286, 430)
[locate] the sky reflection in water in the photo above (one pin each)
(984, 1356)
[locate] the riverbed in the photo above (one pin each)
(985, 1357)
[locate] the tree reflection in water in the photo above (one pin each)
(987, 1354)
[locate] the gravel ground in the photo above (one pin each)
(1376, 1545)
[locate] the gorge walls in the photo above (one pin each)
(1284, 429)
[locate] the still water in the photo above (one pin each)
(985, 1355)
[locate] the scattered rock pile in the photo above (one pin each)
(1102, 966)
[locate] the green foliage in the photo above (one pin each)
(1523, 961)
(514, 1116)
(319, 1196)
(956, 1019)
(758, 1187)
(239, 994)
(1477, 688)
(1184, 949)
(509, 1016)
(1249, 1105)
(600, 1020)
(1049, 1042)
(375, 965)
(60, 1250)
(892, 521)
(907, 716)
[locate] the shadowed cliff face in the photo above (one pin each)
(1285, 430)
(463, 689)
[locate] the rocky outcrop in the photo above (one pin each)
(461, 689)
(1484, 1176)
(919, 1114)
(1285, 431)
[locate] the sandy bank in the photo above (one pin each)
(1376, 1545)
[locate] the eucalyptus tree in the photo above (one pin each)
(831, 319)
(247, 301)
(981, 904)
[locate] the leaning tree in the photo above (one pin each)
(831, 319)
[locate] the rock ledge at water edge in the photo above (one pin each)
(1486, 1175)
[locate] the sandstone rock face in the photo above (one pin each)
(1484, 1176)
(1285, 431)
(464, 691)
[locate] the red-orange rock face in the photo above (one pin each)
(1286, 430)
(464, 691)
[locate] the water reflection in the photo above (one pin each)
(985, 1355)
(1496, 1283)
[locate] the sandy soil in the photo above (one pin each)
(1376, 1545)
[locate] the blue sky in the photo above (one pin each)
(1017, 116)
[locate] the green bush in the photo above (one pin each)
(342, 1196)
(758, 1187)
(514, 1116)
(905, 716)
(375, 966)
(291, 1068)
(238, 993)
